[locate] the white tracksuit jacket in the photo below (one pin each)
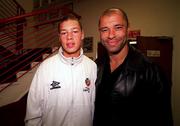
(62, 92)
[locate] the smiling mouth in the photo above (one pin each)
(112, 43)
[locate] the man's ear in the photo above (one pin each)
(82, 36)
(59, 38)
(128, 29)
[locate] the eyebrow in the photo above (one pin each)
(119, 25)
(103, 27)
(122, 25)
(71, 28)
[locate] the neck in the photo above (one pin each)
(75, 54)
(71, 55)
(118, 59)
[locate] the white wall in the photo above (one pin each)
(152, 17)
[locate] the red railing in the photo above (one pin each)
(26, 37)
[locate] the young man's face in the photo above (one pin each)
(113, 32)
(71, 37)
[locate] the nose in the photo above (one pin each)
(69, 36)
(111, 33)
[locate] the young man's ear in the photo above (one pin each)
(59, 38)
(82, 36)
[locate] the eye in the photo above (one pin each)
(103, 30)
(118, 27)
(75, 31)
(63, 33)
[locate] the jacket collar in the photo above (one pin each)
(133, 61)
(70, 60)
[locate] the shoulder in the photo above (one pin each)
(49, 63)
(136, 60)
(101, 61)
(139, 62)
(89, 64)
(88, 60)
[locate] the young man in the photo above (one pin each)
(63, 89)
(130, 89)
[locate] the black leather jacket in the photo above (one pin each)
(136, 93)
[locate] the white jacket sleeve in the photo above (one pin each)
(35, 101)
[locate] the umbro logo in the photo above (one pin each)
(55, 85)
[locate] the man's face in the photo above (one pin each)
(113, 32)
(71, 37)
